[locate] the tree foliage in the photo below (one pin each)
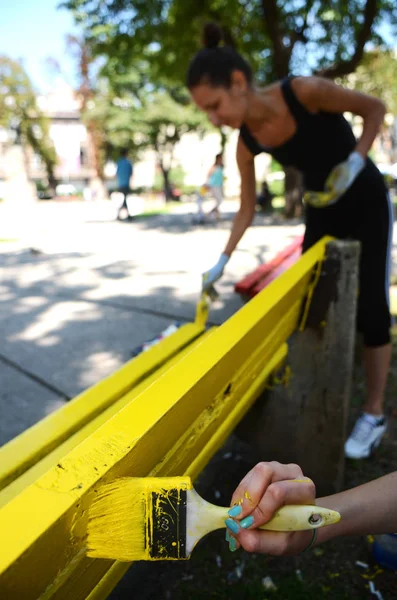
(19, 113)
(278, 36)
(86, 71)
(377, 76)
(138, 118)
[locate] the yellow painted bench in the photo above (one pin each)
(30, 454)
(166, 412)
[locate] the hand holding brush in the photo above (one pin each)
(164, 518)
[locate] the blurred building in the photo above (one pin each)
(69, 136)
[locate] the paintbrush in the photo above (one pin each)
(163, 518)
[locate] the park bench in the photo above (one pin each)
(262, 276)
(167, 411)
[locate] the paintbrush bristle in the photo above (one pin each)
(117, 520)
(139, 518)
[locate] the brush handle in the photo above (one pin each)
(301, 517)
(294, 517)
(203, 517)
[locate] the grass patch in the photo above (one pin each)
(161, 210)
(278, 202)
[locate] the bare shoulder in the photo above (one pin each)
(309, 89)
(321, 94)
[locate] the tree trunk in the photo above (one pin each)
(304, 420)
(167, 185)
(96, 141)
(293, 193)
(52, 182)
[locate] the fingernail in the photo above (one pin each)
(232, 544)
(227, 535)
(232, 525)
(247, 522)
(235, 511)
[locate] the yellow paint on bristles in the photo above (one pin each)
(120, 519)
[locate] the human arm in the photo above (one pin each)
(370, 508)
(244, 216)
(319, 94)
(211, 170)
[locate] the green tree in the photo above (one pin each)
(19, 112)
(279, 37)
(86, 71)
(326, 37)
(377, 76)
(145, 119)
(163, 121)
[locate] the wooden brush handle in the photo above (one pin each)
(299, 517)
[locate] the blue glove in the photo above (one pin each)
(338, 182)
(209, 277)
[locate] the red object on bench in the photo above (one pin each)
(264, 274)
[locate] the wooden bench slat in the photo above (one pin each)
(21, 453)
(245, 285)
(30, 476)
(285, 264)
(118, 570)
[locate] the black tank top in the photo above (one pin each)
(320, 142)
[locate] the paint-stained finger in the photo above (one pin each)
(254, 485)
(278, 494)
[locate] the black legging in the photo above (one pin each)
(364, 214)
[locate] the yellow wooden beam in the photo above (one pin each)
(51, 459)
(118, 569)
(24, 451)
(43, 528)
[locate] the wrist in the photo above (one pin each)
(357, 159)
(224, 259)
(312, 540)
(301, 541)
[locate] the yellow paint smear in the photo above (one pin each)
(304, 480)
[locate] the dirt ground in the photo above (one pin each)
(328, 572)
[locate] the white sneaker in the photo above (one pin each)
(366, 436)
